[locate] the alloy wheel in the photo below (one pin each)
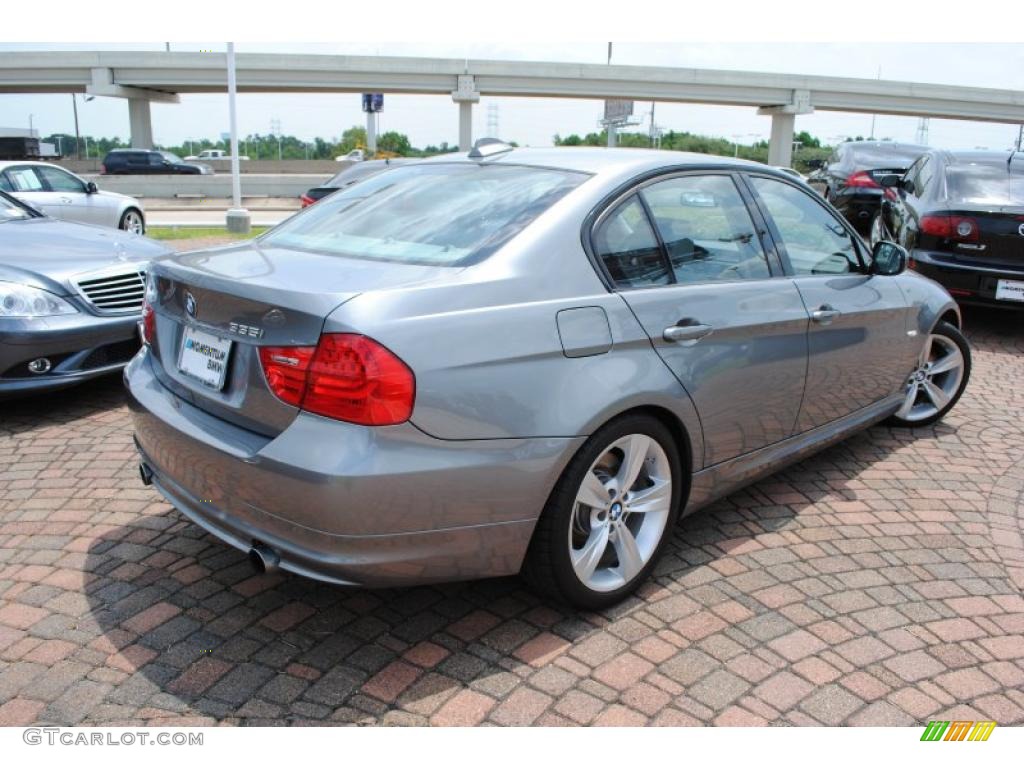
(935, 381)
(620, 512)
(132, 222)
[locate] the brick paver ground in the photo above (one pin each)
(878, 583)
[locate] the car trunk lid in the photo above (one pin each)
(227, 302)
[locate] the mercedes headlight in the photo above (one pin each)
(25, 301)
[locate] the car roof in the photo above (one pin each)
(601, 160)
(9, 163)
(897, 145)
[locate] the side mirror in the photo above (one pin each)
(888, 258)
(90, 188)
(907, 185)
(890, 180)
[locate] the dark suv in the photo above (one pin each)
(149, 161)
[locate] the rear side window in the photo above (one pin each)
(707, 229)
(627, 245)
(445, 214)
(25, 180)
(5, 183)
(998, 183)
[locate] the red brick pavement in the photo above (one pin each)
(878, 583)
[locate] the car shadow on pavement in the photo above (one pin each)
(64, 407)
(192, 632)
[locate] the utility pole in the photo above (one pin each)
(78, 140)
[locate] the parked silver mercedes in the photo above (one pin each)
(523, 360)
(59, 193)
(70, 299)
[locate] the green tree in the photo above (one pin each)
(393, 141)
(352, 138)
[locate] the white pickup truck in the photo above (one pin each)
(214, 154)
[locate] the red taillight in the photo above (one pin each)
(148, 323)
(285, 369)
(306, 200)
(345, 376)
(862, 179)
(103, 168)
(962, 229)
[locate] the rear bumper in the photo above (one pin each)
(344, 503)
(78, 347)
(967, 283)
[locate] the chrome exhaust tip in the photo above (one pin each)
(263, 558)
(146, 474)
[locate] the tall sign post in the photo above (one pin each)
(372, 104)
(238, 219)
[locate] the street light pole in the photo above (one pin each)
(238, 219)
(78, 140)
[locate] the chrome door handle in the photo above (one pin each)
(686, 332)
(825, 314)
(66, 200)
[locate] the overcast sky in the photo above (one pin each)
(433, 119)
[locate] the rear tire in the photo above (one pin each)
(609, 516)
(939, 379)
(133, 221)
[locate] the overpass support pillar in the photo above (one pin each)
(141, 123)
(780, 145)
(139, 119)
(466, 95)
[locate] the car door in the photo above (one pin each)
(859, 349)
(27, 185)
(686, 256)
(76, 204)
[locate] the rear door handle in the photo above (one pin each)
(825, 314)
(691, 333)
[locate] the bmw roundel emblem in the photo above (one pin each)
(1020, 230)
(190, 304)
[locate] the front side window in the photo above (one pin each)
(25, 180)
(629, 249)
(60, 181)
(444, 214)
(156, 159)
(815, 241)
(707, 229)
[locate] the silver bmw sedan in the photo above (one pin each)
(523, 360)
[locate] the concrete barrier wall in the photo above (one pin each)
(218, 185)
(224, 166)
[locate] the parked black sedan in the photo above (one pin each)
(70, 299)
(849, 180)
(352, 174)
(961, 217)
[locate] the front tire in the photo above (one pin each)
(610, 515)
(939, 379)
(133, 221)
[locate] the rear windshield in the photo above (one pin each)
(355, 173)
(992, 183)
(885, 156)
(442, 214)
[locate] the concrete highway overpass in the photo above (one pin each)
(142, 77)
